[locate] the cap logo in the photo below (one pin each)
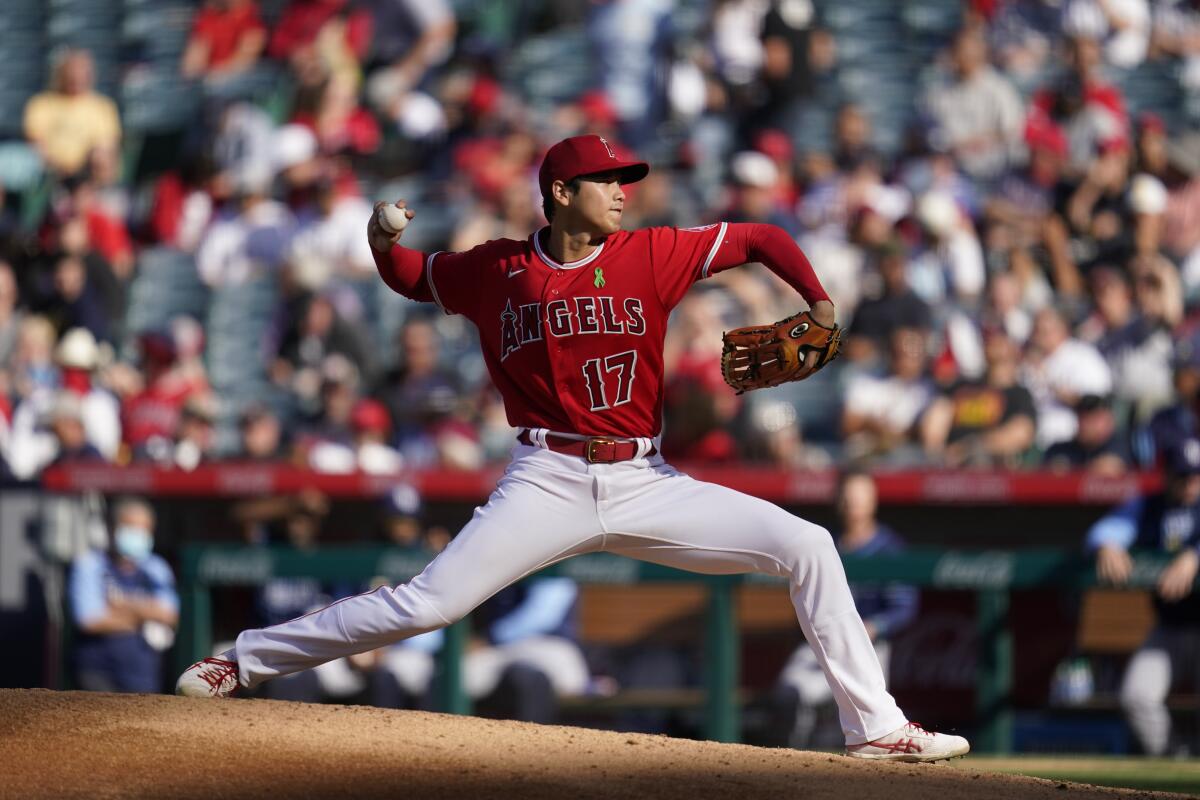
(604, 142)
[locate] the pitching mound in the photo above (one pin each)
(74, 744)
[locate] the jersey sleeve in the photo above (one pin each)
(681, 256)
(455, 279)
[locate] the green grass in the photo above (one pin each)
(1163, 775)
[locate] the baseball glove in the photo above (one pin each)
(759, 357)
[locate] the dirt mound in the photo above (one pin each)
(73, 744)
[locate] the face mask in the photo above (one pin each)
(132, 542)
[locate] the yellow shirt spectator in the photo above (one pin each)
(69, 121)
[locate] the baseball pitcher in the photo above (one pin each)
(571, 323)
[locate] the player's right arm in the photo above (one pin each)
(452, 280)
(401, 268)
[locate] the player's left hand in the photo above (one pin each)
(823, 313)
(1175, 582)
(792, 349)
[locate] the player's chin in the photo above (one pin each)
(611, 222)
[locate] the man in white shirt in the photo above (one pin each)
(1060, 369)
(978, 113)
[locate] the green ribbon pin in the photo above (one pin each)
(599, 278)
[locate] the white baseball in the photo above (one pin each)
(392, 219)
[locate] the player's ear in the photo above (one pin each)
(560, 193)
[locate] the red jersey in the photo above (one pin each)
(578, 347)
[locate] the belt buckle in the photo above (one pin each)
(589, 452)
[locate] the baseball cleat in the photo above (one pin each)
(211, 677)
(911, 743)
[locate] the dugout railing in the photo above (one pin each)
(992, 575)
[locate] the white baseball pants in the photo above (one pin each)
(548, 507)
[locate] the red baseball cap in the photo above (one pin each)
(370, 415)
(586, 155)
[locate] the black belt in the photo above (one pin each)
(594, 449)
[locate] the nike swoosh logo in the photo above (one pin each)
(518, 272)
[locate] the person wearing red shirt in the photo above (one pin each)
(304, 19)
(572, 324)
(227, 38)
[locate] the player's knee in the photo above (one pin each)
(809, 543)
(421, 612)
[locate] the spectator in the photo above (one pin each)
(1059, 370)
(66, 424)
(418, 391)
(1004, 308)
(124, 607)
(1168, 522)
(319, 38)
(325, 440)
(1089, 112)
(1180, 420)
(243, 153)
(897, 306)
(411, 38)
(70, 120)
(513, 214)
(1121, 26)
(170, 372)
(44, 424)
(318, 334)
(183, 205)
(1019, 217)
(226, 41)
(796, 54)
(72, 301)
(886, 610)
(1098, 213)
(261, 435)
(1022, 34)
(251, 244)
(1176, 32)
(977, 113)
(12, 314)
(340, 124)
(950, 267)
(852, 138)
(329, 254)
(192, 442)
(1097, 446)
(756, 194)
(32, 364)
(983, 423)
(696, 400)
(366, 451)
(881, 410)
(1136, 346)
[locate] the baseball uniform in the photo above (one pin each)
(576, 351)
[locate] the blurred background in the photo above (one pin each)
(1001, 196)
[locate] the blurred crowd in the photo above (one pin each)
(1013, 244)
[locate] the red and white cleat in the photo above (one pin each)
(211, 677)
(911, 743)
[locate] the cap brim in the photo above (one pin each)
(629, 171)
